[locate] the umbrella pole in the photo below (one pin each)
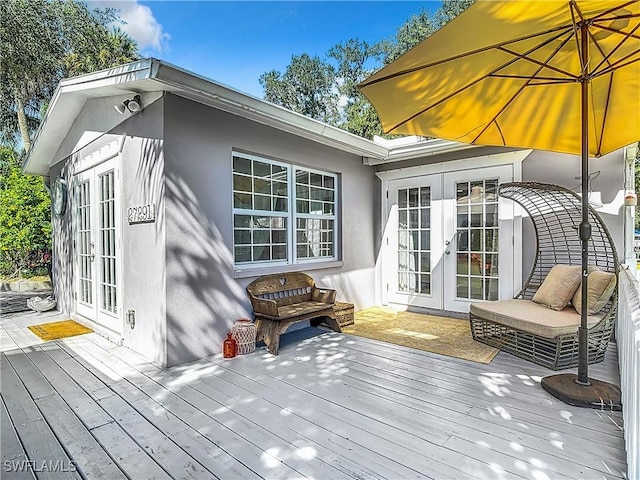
(578, 389)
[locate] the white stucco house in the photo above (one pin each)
(177, 200)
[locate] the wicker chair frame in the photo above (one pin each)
(556, 213)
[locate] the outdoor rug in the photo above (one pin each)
(445, 336)
(56, 330)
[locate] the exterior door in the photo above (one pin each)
(97, 230)
(415, 271)
(449, 240)
(478, 226)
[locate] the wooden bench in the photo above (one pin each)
(279, 301)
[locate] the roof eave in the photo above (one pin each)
(68, 100)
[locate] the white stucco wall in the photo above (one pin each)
(142, 248)
(203, 295)
(607, 191)
(143, 244)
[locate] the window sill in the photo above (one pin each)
(267, 270)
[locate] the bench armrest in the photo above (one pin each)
(264, 306)
(326, 295)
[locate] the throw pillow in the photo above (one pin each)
(600, 287)
(558, 287)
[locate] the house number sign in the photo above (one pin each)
(141, 213)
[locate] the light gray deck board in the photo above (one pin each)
(78, 400)
(13, 455)
(489, 415)
(41, 445)
(329, 406)
(149, 430)
(295, 431)
(127, 454)
(213, 414)
(415, 448)
(80, 445)
(211, 434)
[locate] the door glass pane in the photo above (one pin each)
(477, 240)
(85, 243)
(107, 226)
(414, 235)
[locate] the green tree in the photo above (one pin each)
(359, 117)
(43, 41)
(327, 89)
(306, 86)
(25, 229)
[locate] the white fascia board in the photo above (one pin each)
(67, 102)
(470, 163)
(232, 101)
(417, 149)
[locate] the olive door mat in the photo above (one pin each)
(56, 330)
(445, 336)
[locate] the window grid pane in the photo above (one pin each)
(414, 240)
(266, 230)
(315, 208)
(477, 240)
(84, 243)
(259, 185)
(107, 227)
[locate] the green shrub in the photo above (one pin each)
(25, 219)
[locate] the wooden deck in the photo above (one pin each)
(330, 406)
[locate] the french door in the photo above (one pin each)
(97, 231)
(449, 240)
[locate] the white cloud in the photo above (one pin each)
(140, 24)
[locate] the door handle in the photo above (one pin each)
(447, 251)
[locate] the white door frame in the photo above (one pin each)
(433, 299)
(93, 166)
(506, 237)
(510, 282)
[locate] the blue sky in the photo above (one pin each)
(235, 42)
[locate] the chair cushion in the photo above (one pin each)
(531, 317)
(600, 287)
(558, 287)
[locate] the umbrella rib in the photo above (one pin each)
(618, 65)
(550, 80)
(613, 50)
(573, 8)
(619, 7)
(407, 71)
(538, 62)
(619, 32)
(604, 118)
(515, 95)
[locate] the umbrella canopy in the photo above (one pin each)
(559, 75)
(509, 73)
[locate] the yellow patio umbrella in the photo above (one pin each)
(553, 75)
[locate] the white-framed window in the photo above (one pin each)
(282, 214)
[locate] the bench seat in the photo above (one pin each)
(299, 309)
